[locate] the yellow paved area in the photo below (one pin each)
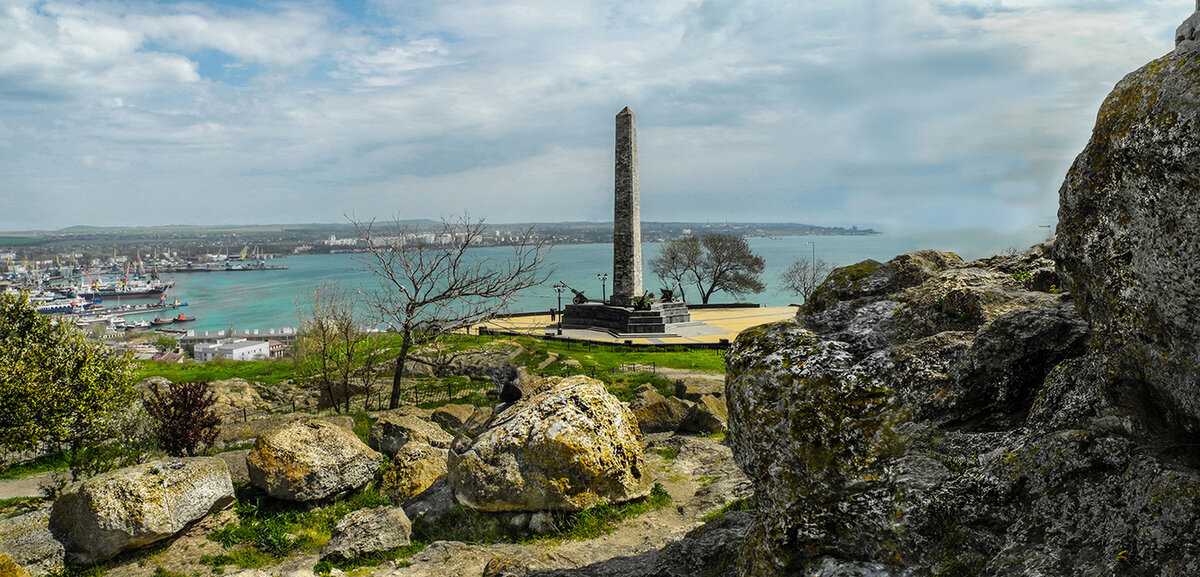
(707, 326)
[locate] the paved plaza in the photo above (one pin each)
(707, 326)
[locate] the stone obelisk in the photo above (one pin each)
(627, 215)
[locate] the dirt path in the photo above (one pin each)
(687, 374)
(24, 487)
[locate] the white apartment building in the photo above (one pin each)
(233, 349)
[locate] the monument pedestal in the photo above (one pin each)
(621, 320)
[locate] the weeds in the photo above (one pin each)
(736, 505)
(269, 532)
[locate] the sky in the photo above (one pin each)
(901, 115)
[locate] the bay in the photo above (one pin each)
(268, 299)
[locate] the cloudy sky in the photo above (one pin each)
(895, 114)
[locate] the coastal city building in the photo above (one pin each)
(235, 349)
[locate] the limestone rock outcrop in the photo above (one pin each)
(970, 423)
(656, 413)
(135, 506)
(27, 540)
(452, 416)
(392, 432)
(238, 432)
(368, 531)
(311, 460)
(569, 447)
(414, 468)
(707, 415)
(1129, 233)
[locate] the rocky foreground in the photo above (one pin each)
(1031, 414)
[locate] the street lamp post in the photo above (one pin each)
(559, 287)
(603, 278)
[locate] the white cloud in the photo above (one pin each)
(900, 113)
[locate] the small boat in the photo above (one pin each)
(157, 321)
(183, 318)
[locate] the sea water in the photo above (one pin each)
(272, 298)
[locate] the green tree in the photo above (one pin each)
(55, 386)
(711, 262)
(328, 345)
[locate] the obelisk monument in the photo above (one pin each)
(627, 215)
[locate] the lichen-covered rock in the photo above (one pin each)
(1008, 362)
(656, 413)
(708, 415)
(236, 461)
(236, 394)
(9, 568)
(693, 389)
(813, 436)
(569, 447)
(136, 506)
(1129, 233)
(238, 432)
(311, 460)
(27, 540)
(871, 278)
(368, 531)
(453, 417)
(392, 432)
(415, 467)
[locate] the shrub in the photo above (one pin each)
(185, 415)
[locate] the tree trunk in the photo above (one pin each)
(394, 401)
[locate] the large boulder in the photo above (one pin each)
(10, 568)
(27, 540)
(656, 413)
(391, 432)
(136, 506)
(453, 417)
(569, 447)
(415, 467)
(243, 432)
(1129, 233)
(1005, 367)
(708, 415)
(310, 461)
(813, 437)
(368, 531)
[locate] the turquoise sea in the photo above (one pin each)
(268, 299)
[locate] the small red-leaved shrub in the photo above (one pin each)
(185, 415)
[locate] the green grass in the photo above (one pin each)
(362, 424)
(608, 359)
(14, 502)
(270, 531)
(603, 519)
(371, 560)
(55, 462)
(737, 505)
(269, 371)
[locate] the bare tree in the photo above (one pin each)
(328, 343)
(803, 277)
(435, 284)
